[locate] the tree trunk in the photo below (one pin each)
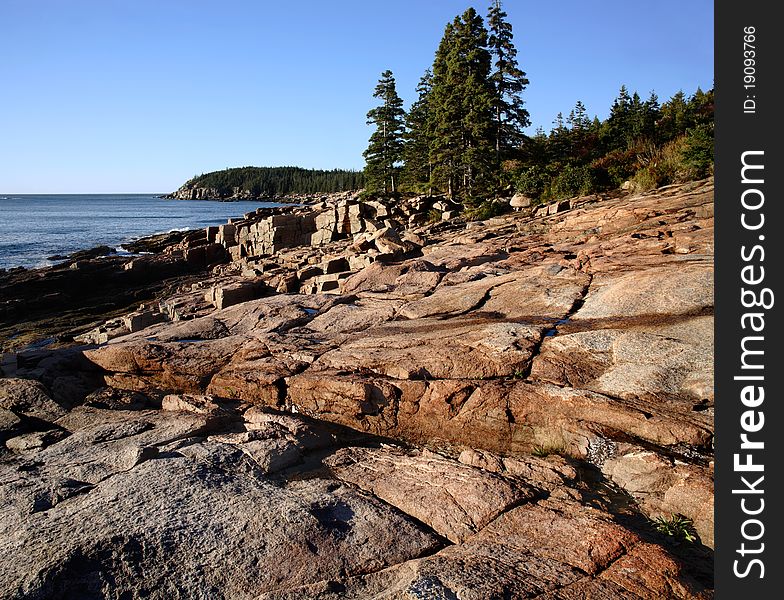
(498, 135)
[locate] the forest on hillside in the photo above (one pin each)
(271, 182)
(464, 135)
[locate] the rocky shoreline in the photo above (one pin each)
(374, 399)
(186, 192)
(51, 306)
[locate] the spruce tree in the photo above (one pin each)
(674, 118)
(618, 127)
(559, 142)
(461, 114)
(580, 134)
(699, 110)
(417, 169)
(578, 117)
(444, 118)
(652, 112)
(385, 149)
(635, 131)
(509, 81)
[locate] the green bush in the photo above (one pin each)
(533, 181)
(678, 527)
(649, 178)
(616, 167)
(485, 210)
(697, 152)
(573, 180)
(669, 163)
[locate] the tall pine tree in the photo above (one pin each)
(418, 168)
(618, 127)
(461, 116)
(444, 118)
(385, 149)
(509, 80)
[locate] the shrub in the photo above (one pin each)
(433, 216)
(648, 178)
(616, 167)
(556, 448)
(532, 181)
(573, 180)
(678, 527)
(485, 210)
(697, 152)
(661, 166)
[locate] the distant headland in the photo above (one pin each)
(261, 183)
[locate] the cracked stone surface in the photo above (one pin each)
(498, 416)
(453, 499)
(531, 551)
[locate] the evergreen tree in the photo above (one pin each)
(634, 120)
(509, 81)
(699, 109)
(578, 117)
(418, 168)
(652, 116)
(619, 124)
(581, 134)
(641, 124)
(674, 118)
(461, 117)
(385, 150)
(444, 118)
(559, 143)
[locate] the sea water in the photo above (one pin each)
(34, 227)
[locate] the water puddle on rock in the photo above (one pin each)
(553, 331)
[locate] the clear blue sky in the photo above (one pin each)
(140, 95)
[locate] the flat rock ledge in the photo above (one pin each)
(494, 410)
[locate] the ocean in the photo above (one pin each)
(33, 227)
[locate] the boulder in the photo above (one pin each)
(553, 549)
(226, 235)
(454, 499)
(436, 349)
(230, 294)
(30, 398)
(388, 242)
(140, 319)
(667, 364)
(664, 487)
(519, 201)
(511, 417)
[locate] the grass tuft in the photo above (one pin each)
(545, 450)
(678, 527)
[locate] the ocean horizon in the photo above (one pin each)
(34, 227)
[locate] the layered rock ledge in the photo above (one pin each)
(394, 407)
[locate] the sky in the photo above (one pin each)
(122, 96)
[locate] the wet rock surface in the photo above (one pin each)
(457, 410)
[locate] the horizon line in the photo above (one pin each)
(4, 194)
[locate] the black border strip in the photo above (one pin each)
(747, 122)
